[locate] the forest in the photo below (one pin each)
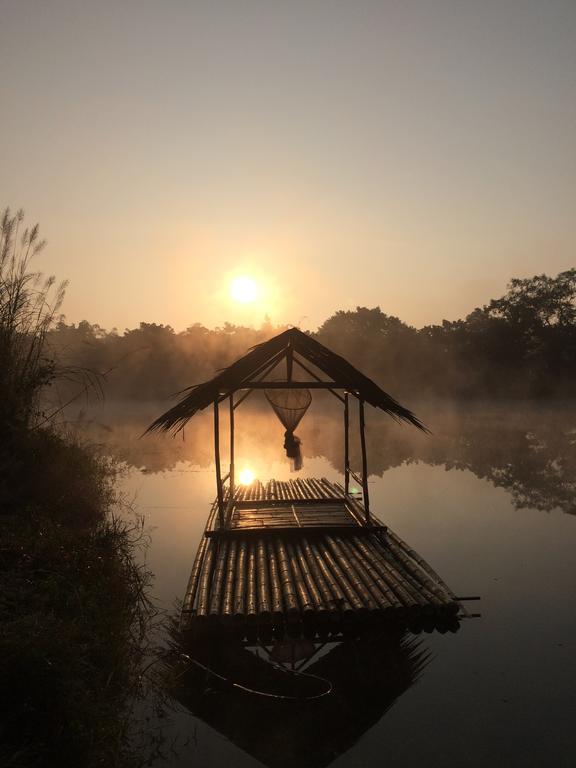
(521, 345)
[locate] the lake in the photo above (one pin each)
(489, 500)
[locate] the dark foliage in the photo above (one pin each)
(73, 605)
(520, 345)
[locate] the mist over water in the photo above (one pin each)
(488, 500)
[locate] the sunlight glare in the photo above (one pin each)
(244, 290)
(246, 477)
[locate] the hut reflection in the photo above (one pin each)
(342, 688)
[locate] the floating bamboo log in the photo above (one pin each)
(218, 579)
(286, 579)
(409, 598)
(420, 560)
(251, 601)
(382, 573)
(304, 597)
(339, 577)
(313, 589)
(411, 566)
(275, 586)
(329, 597)
(349, 567)
(340, 598)
(240, 591)
(264, 603)
(228, 599)
(194, 576)
(204, 584)
(373, 581)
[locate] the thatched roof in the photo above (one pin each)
(264, 357)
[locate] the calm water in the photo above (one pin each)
(489, 500)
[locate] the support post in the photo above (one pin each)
(364, 462)
(232, 486)
(217, 465)
(346, 446)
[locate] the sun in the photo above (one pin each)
(246, 476)
(244, 290)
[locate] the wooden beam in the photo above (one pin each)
(366, 499)
(356, 477)
(311, 373)
(262, 371)
(290, 385)
(217, 465)
(346, 447)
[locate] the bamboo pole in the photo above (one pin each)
(364, 461)
(329, 596)
(232, 473)
(378, 566)
(218, 579)
(311, 373)
(346, 446)
(191, 591)
(228, 599)
(275, 587)
(421, 562)
(319, 492)
(410, 598)
(382, 591)
(304, 597)
(251, 602)
(329, 489)
(205, 579)
(286, 579)
(193, 580)
(363, 568)
(264, 604)
(240, 592)
(336, 578)
(410, 565)
(309, 578)
(217, 465)
(348, 566)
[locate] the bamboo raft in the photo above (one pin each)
(304, 556)
(299, 556)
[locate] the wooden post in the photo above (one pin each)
(364, 462)
(231, 446)
(346, 447)
(217, 464)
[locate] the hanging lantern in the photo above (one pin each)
(290, 405)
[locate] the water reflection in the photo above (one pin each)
(367, 675)
(498, 693)
(528, 451)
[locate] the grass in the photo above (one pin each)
(74, 611)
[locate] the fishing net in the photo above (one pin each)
(290, 405)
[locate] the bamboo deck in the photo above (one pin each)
(300, 555)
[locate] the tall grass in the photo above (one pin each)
(29, 303)
(74, 607)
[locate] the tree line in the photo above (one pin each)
(522, 344)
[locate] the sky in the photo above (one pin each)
(413, 154)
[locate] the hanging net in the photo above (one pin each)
(290, 405)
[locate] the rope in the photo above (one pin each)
(265, 694)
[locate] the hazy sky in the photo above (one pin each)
(413, 154)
